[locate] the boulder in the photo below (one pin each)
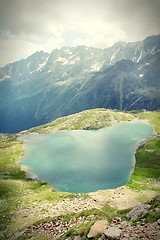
(138, 211)
(113, 233)
(98, 228)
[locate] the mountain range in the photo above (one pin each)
(44, 86)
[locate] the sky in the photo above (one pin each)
(27, 26)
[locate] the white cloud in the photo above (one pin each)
(52, 43)
(13, 48)
(28, 26)
(104, 36)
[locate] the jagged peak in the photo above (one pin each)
(148, 44)
(38, 53)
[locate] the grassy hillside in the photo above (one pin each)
(89, 119)
(147, 169)
(24, 202)
(17, 192)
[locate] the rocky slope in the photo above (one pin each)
(118, 228)
(45, 86)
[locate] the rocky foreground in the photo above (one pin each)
(116, 230)
(142, 222)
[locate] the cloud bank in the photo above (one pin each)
(33, 25)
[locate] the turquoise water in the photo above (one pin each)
(86, 160)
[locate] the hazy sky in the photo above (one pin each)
(27, 26)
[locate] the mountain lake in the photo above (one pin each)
(83, 161)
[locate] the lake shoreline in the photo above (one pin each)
(32, 176)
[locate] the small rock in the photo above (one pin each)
(77, 238)
(17, 235)
(113, 233)
(116, 219)
(98, 228)
(126, 235)
(158, 221)
(57, 237)
(157, 198)
(102, 238)
(157, 209)
(157, 235)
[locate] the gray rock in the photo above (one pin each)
(113, 233)
(98, 228)
(77, 238)
(157, 198)
(157, 209)
(102, 238)
(137, 211)
(158, 221)
(17, 235)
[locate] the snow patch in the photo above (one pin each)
(134, 102)
(28, 65)
(41, 65)
(73, 60)
(96, 67)
(5, 77)
(140, 56)
(63, 60)
(67, 51)
(66, 61)
(112, 58)
(153, 49)
(32, 72)
(61, 83)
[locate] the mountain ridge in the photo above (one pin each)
(43, 87)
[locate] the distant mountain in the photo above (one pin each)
(44, 86)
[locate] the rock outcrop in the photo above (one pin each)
(138, 211)
(98, 228)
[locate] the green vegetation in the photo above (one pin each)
(147, 170)
(153, 118)
(152, 215)
(89, 119)
(82, 221)
(105, 211)
(17, 192)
